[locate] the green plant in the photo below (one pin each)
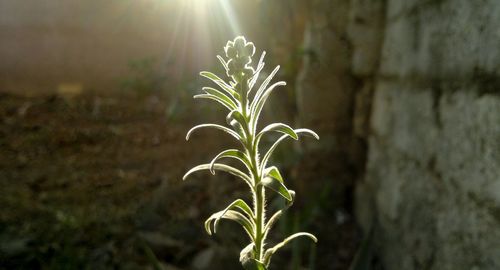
(244, 112)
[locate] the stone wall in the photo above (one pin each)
(327, 94)
(432, 184)
(419, 82)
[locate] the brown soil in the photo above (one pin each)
(93, 182)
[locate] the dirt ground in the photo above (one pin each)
(93, 182)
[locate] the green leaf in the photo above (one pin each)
(220, 167)
(222, 61)
(248, 261)
(259, 68)
(269, 252)
(231, 153)
(262, 88)
(247, 257)
(257, 109)
(223, 128)
(238, 204)
(269, 152)
(274, 173)
(289, 203)
(221, 83)
(228, 99)
(247, 225)
(235, 117)
(271, 222)
(279, 127)
(212, 97)
(274, 181)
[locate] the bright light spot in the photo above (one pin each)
(197, 28)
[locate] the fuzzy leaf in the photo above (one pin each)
(215, 92)
(274, 173)
(238, 204)
(269, 152)
(235, 117)
(271, 222)
(223, 128)
(212, 97)
(221, 83)
(257, 109)
(220, 167)
(222, 61)
(271, 251)
(247, 225)
(247, 254)
(248, 261)
(279, 127)
(231, 153)
(263, 87)
(259, 68)
(228, 99)
(288, 204)
(274, 181)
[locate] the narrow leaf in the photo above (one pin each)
(274, 173)
(263, 87)
(234, 117)
(222, 61)
(238, 204)
(273, 180)
(257, 109)
(288, 204)
(259, 68)
(277, 186)
(221, 83)
(271, 251)
(269, 152)
(220, 167)
(212, 97)
(247, 225)
(271, 222)
(279, 127)
(228, 98)
(231, 153)
(223, 128)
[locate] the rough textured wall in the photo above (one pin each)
(327, 91)
(432, 187)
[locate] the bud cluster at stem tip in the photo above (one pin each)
(240, 54)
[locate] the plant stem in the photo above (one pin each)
(259, 205)
(258, 190)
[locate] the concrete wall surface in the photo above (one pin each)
(432, 184)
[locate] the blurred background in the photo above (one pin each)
(96, 99)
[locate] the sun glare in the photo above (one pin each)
(197, 23)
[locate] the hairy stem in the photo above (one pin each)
(259, 209)
(258, 190)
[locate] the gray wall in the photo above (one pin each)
(419, 83)
(432, 185)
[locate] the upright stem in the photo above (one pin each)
(258, 194)
(259, 205)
